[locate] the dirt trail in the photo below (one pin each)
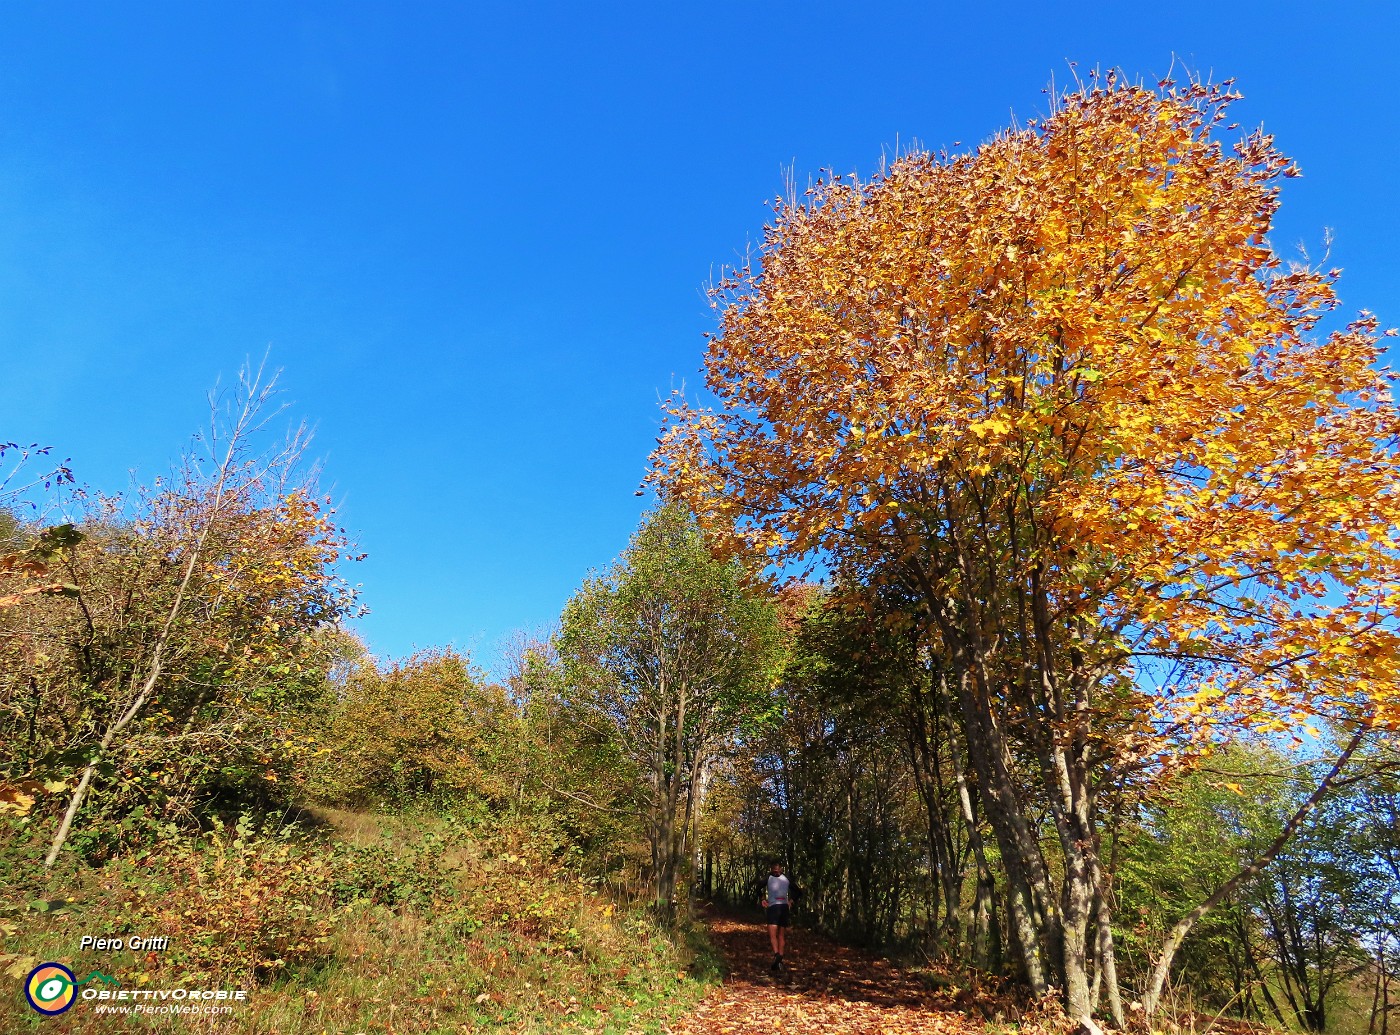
(825, 988)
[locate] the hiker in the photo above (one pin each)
(779, 892)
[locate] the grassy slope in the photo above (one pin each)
(378, 925)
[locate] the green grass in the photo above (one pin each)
(372, 925)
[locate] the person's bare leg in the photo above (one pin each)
(775, 938)
(780, 940)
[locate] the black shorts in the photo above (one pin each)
(778, 915)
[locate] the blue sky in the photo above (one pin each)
(476, 237)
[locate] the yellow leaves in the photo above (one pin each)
(990, 426)
(1106, 341)
(17, 799)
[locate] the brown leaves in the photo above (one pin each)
(35, 564)
(828, 988)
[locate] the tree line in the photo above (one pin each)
(1057, 412)
(1096, 690)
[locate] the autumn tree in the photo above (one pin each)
(425, 730)
(667, 654)
(1064, 386)
(180, 632)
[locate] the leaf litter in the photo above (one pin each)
(826, 987)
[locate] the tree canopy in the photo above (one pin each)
(1064, 389)
(670, 652)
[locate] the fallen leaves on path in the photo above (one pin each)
(825, 988)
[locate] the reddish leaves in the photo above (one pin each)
(826, 987)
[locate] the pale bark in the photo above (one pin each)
(1152, 999)
(254, 396)
(1106, 976)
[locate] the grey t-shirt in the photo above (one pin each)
(777, 890)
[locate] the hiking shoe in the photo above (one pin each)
(777, 962)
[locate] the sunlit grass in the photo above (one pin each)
(413, 925)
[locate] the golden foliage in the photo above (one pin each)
(1071, 358)
(424, 729)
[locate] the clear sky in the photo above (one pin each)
(476, 236)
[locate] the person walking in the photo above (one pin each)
(775, 904)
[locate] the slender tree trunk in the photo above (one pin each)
(1385, 996)
(984, 910)
(254, 395)
(666, 866)
(939, 859)
(1032, 926)
(986, 929)
(1108, 959)
(1152, 999)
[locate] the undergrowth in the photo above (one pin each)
(357, 924)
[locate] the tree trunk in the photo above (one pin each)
(255, 395)
(666, 867)
(1078, 899)
(987, 926)
(1152, 999)
(1033, 926)
(1108, 960)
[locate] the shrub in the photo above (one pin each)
(234, 906)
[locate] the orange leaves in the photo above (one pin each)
(828, 988)
(1070, 353)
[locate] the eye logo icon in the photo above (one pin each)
(50, 988)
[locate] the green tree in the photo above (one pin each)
(1376, 819)
(1314, 901)
(669, 653)
(1184, 839)
(424, 730)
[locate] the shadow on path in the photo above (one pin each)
(825, 987)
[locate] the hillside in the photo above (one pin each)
(361, 923)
